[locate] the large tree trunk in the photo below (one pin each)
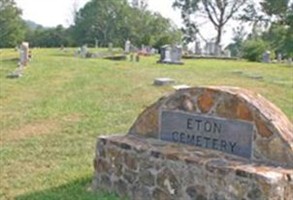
(219, 35)
(218, 40)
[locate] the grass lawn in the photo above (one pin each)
(50, 118)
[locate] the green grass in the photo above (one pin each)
(51, 117)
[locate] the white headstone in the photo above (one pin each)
(83, 51)
(127, 46)
(163, 81)
(24, 53)
(167, 54)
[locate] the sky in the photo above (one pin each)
(50, 13)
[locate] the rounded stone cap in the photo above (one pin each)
(273, 132)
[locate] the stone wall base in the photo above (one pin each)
(146, 169)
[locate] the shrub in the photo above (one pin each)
(253, 49)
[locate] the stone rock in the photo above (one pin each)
(196, 192)
(147, 178)
(130, 176)
(262, 129)
(159, 194)
(206, 101)
(180, 87)
(168, 181)
(102, 166)
(140, 192)
(121, 188)
(105, 182)
(255, 194)
(163, 81)
(130, 161)
(243, 112)
(227, 107)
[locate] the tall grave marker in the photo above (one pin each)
(24, 53)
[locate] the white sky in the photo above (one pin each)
(51, 13)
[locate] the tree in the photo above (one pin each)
(48, 37)
(11, 25)
(275, 8)
(116, 21)
(277, 18)
(218, 12)
(238, 39)
(253, 49)
(100, 19)
(152, 29)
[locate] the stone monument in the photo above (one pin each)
(279, 57)
(83, 51)
(170, 54)
(201, 143)
(198, 50)
(24, 54)
(127, 46)
(266, 57)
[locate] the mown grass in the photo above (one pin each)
(51, 117)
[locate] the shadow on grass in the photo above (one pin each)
(75, 190)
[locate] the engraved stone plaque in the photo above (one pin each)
(226, 135)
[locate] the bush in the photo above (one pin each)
(253, 49)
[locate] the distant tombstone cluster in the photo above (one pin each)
(211, 49)
(266, 58)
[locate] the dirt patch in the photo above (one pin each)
(30, 130)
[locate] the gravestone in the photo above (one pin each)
(96, 43)
(201, 143)
(110, 47)
(24, 53)
(163, 81)
(83, 51)
(127, 46)
(170, 54)
(180, 87)
(210, 48)
(198, 50)
(266, 57)
(218, 50)
(16, 73)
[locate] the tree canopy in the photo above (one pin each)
(218, 12)
(116, 21)
(11, 25)
(278, 32)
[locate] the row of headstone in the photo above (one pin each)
(266, 58)
(211, 49)
(144, 50)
